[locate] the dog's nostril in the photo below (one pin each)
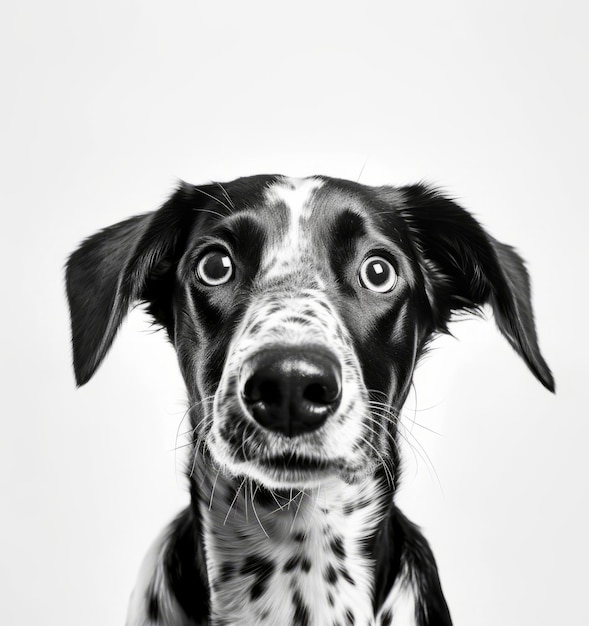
(256, 390)
(292, 390)
(320, 394)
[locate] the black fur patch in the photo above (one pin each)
(301, 611)
(337, 547)
(346, 576)
(298, 560)
(330, 574)
(227, 572)
(262, 570)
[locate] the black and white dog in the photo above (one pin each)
(298, 309)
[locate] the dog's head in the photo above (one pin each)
(298, 309)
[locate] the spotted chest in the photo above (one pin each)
(295, 558)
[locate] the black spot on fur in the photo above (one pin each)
(337, 546)
(350, 619)
(331, 575)
(301, 612)
(349, 508)
(262, 569)
(356, 506)
(291, 563)
(227, 571)
(299, 537)
(346, 576)
(298, 560)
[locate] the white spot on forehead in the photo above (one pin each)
(295, 194)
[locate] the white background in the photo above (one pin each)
(105, 103)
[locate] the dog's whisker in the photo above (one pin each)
(190, 408)
(423, 427)
(213, 198)
(234, 501)
(409, 438)
(245, 503)
(190, 433)
(390, 479)
(377, 392)
(213, 489)
(421, 451)
(190, 444)
(362, 170)
(393, 417)
(312, 513)
(383, 429)
(200, 441)
(253, 495)
(294, 519)
(273, 494)
(224, 192)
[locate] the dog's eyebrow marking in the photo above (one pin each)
(295, 195)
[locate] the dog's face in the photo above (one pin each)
(298, 309)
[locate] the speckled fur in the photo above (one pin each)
(295, 530)
(310, 547)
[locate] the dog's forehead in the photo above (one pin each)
(298, 202)
(299, 213)
(289, 204)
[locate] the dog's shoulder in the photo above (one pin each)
(172, 587)
(407, 584)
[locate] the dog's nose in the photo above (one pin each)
(291, 390)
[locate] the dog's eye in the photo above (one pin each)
(215, 268)
(377, 274)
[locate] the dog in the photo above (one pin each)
(298, 309)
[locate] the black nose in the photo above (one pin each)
(291, 390)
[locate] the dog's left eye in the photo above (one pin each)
(377, 274)
(214, 268)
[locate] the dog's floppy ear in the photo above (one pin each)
(110, 272)
(465, 268)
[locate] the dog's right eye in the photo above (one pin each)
(377, 274)
(214, 268)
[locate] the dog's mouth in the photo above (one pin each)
(280, 462)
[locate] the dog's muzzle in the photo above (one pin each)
(291, 390)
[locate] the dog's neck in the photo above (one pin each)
(291, 557)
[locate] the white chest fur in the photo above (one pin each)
(293, 560)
